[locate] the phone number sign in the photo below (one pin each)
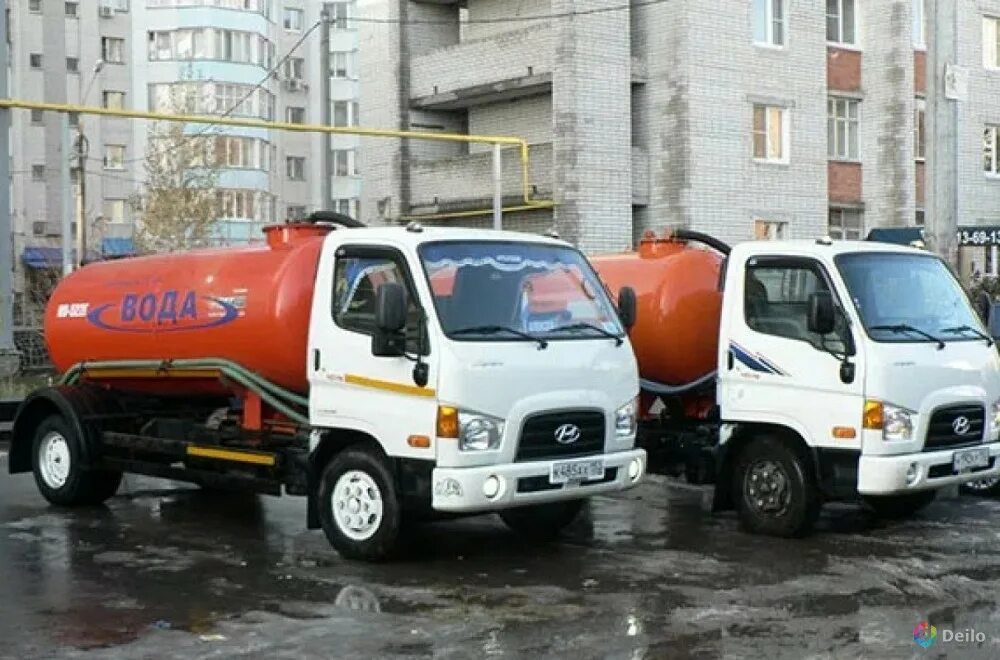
(978, 236)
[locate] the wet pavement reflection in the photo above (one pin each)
(167, 570)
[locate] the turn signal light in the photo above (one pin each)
(419, 441)
(844, 432)
(874, 415)
(447, 422)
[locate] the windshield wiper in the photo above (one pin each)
(906, 327)
(968, 328)
(494, 329)
(583, 325)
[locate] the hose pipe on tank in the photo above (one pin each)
(661, 389)
(698, 237)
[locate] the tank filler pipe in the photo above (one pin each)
(698, 237)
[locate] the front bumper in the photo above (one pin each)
(886, 475)
(461, 489)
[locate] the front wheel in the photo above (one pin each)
(899, 506)
(776, 489)
(989, 487)
(56, 459)
(542, 521)
(358, 506)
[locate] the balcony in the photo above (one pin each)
(502, 67)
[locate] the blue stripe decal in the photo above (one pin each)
(755, 362)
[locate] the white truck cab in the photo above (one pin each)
(491, 368)
(849, 368)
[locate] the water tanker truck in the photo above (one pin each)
(385, 374)
(794, 373)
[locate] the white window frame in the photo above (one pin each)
(991, 144)
(920, 24)
(771, 20)
(347, 158)
(340, 13)
(110, 211)
(919, 136)
(295, 68)
(292, 108)
(31, 60)
(109, 94)
(839, 233)
(991, 42)
(297, 14)
(295, 173)
(839, 41)
(113, 46)
(785, 115)
(774, 230)
(836, 123)
(114, 157)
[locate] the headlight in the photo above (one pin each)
(478, 432)
(898, 424)
(625, 419)
(995, 428)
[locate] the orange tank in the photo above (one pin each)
(249, 305)
(676, 333)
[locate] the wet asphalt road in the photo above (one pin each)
(167, 571)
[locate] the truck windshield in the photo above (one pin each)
(908, 298)
(510, 291)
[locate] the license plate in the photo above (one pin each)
(567, 471)
(971, 459)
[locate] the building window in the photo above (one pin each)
(39, 228)
(114, 211)
(991, 42)
(37, 116)
(38, 172)
(769, 22)
(296, 212)
(72, 9)
(842, 129)
(295, 168)
(348, 207)
(920, 130)
(841, 22)
(345, 113)
(846, 224)
(295, 68)
(339, 13)
(74, 118)
(991, 150)
(113, 50)
(342, 64)
(114, 157)
(768, 230)
(114, 100)
(35, 6)
(919, 219)
(919, 24)
(344, 162)
(245, 205)
(295, 115)
(73, 65)
(770, 133)
(35, 60)
(242, 153)
(293, 19)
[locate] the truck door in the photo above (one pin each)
(774, 370)
(350, 387)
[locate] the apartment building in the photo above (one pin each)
(749, 120)
(215, 52)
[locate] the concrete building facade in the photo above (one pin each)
(749, 120)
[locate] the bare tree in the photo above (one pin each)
(178, 206)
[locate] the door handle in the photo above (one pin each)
(316, 357)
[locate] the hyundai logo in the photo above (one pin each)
(961, 425)
(567, 434)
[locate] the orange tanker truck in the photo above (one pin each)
(792, 373)
(332, 362)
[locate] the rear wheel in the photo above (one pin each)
(988, 487)
(899, 506)
(59, 474)
(775, 489)
(542, 521)
(359, 509)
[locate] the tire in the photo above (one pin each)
(56, 463)
(358, 506)
(895, 507)
(775, 489)
(542, 522)
(989, 487)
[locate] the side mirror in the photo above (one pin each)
(389, 339)
(627, 307)
(822, 317)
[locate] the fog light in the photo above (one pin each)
(634, 469)
(491, 487)
(912, 473)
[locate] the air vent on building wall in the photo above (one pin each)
(107, 11)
